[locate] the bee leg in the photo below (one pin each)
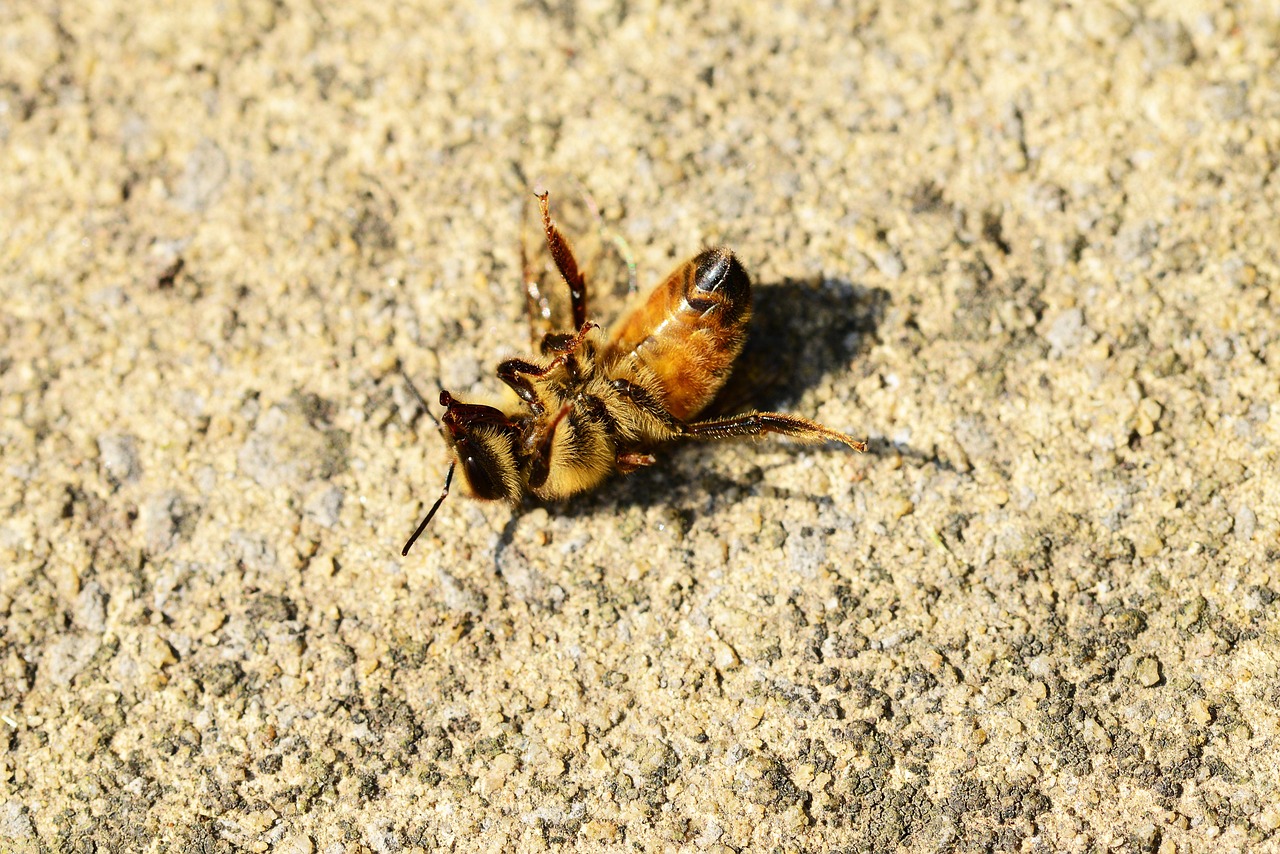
(751, 424)
(516, 373)
(554, 342)
(562, 254)
(759, 423)
(629, 462)
(541, 467)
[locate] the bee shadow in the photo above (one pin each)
(799, 333)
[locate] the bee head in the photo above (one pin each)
(482, 439)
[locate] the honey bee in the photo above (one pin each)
(596, 404)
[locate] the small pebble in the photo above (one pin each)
(1147, 672)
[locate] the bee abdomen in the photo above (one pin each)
(686, 336)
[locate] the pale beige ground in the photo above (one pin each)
(1029, 250)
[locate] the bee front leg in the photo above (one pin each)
(540, 469)
(518, 374)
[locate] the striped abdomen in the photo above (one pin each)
(689, 331)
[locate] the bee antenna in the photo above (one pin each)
(444, 493)
(422, 401)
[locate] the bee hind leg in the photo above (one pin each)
(759, 423)
(751, 424)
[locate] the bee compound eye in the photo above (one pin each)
(481, 477)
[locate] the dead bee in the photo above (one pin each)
(594, 405)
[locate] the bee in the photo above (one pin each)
(596, 404)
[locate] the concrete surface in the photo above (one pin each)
(1028, 250)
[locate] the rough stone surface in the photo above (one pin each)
(1028, 250)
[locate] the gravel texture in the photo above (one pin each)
(1028, 250)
